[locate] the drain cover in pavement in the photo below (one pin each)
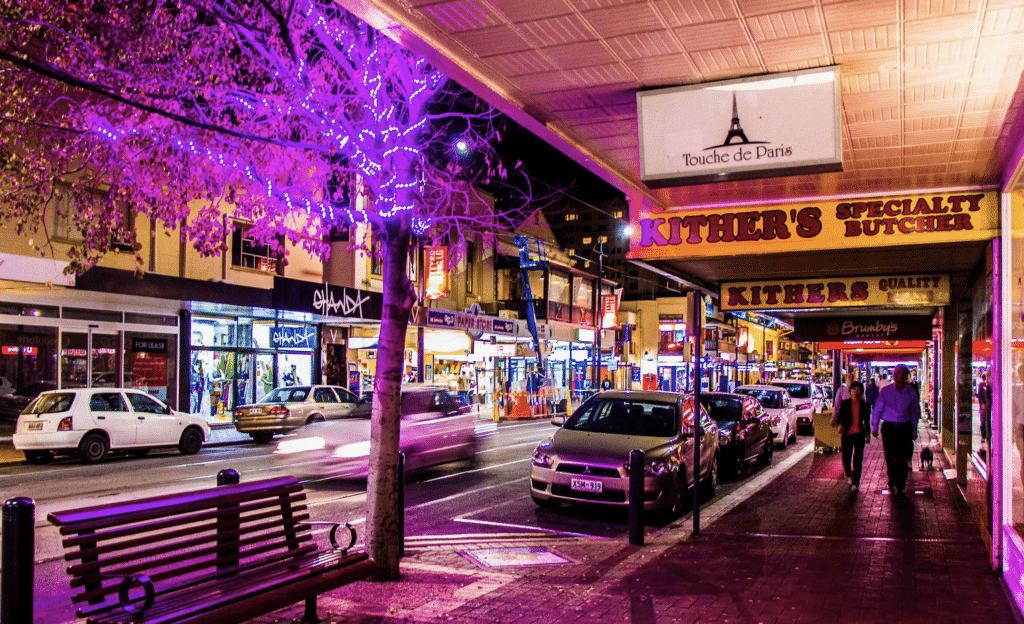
(508, 557)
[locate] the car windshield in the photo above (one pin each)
(796, 390)
(626, 417)
(723, 409)
(287, 395)
(772, 399)
(53, 403)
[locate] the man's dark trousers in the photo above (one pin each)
(898, 444)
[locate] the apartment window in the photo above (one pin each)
(618, 214)
(64, 203)
(588, 240)
(572, 217)
(247, 253)
(470, 266)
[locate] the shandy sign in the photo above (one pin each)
(833, 292)
(871, 222)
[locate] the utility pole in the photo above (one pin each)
(596, 384)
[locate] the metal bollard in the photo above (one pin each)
(227, 546)
(228, 476)
(18, 554)
(636, 497)
(401, 505)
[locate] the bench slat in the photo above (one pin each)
(231, 605)
(273, 504)
(112, 514)
(136, 550)
(296, 548)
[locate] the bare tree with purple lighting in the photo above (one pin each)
(275, 112)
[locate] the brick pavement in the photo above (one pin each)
(797, 548)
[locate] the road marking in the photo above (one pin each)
(472, 470)
(510, 525)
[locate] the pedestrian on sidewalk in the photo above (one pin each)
(854, 421)
(897, 413)
(871, 392)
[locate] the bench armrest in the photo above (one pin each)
(333, 536)
(149, 592)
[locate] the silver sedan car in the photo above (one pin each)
(587, 459)
(436, 428)
(290, 407)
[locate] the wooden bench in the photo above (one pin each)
(226, 554)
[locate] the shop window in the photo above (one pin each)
(17, 309)
(247, 253)
(213, 331)
(27, 360)
(150, 364)
(558, 290)
(470, 266)
(671, 337)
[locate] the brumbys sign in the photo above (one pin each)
(869, 222)
(836, 292)
(860, 328)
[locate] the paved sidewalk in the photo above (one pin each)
(793, 546)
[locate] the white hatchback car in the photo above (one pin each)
(777, 404)
(804, 402)
(93, 421)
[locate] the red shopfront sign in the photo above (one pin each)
(437, 273)
(609, 311)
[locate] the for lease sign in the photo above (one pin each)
(871, 222)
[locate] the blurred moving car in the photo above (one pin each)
(806, 406)
(587, 459)
(778, 404)
(93, 421)
(437, 428)
(290, 407)
(744, 429)
(14, 403)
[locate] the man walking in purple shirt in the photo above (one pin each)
(897, 410)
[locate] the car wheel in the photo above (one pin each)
(38, 458)
(191, 441)
(262, 437)
(784, 439)
(766, 455)
(93, 448)
(545, 503)
(138, 452)
(710, 483)
(792, 435)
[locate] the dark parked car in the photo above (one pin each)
(744, 429)
(12, 404)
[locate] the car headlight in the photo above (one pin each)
(542, 459)
(299, 445)
(656, 467)
(353, 449)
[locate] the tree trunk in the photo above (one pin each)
(383, 480)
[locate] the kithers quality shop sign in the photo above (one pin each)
(878, 290)
(779, 124)
(874, 222)
(860, 328)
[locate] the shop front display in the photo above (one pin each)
(237, 360)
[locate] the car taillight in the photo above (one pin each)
(278, 410)
(64, 424)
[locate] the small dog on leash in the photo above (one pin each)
(926, 458)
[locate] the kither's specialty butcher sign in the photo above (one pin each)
(832, 292)
(847, 224)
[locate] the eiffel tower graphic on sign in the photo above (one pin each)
(735, 130)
